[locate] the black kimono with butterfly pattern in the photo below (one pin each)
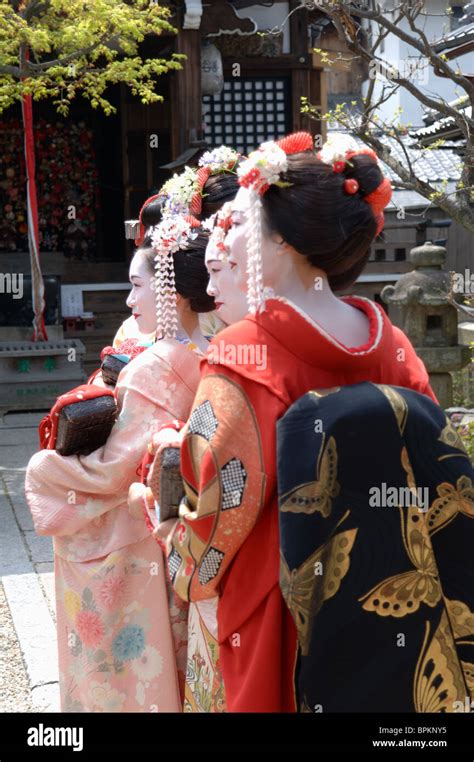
(376, 507)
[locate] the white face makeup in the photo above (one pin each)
(141, 298)
(236, 241)
(231, 303)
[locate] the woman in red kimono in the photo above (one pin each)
(302, 228)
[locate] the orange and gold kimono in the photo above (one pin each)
(224, 551)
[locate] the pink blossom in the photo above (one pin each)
(90, 628)
(112, 591)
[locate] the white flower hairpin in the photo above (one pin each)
(183, 193)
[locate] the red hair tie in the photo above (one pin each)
(191, 219)
(141, 231)
(203, 174)
(380, 197)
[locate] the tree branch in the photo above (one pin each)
(464, 124)
(409, 39)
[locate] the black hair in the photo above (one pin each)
(316, 216)
(191, 274)
(151, 214)
(217, 190)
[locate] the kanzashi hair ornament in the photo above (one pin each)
(262, 169)
(171, 235)
(219, 227)
(351, 186)
(338, 152)
(184, 192)
(202, 176)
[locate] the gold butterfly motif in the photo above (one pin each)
(438, 681)
(305, 591)
(316, 496)
(451, 501)
(461, 618)
(450, 437)
(468, 670)
(403, 594)
(398, 403)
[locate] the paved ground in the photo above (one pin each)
(28, 664)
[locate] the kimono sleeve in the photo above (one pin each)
(223, 472)
(65, 493)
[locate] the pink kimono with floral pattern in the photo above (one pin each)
(121, 630)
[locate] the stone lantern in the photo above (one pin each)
(428, 319)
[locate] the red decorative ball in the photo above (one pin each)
(351, 186)
(339, 166)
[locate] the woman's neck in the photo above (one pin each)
(309, 290)
(189, 325)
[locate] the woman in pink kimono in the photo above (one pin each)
(120, 630)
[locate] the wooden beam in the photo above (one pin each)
(299, 87)
(186, 124)
(298, 29)
(261, 65)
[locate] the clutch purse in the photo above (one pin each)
(111, 368)
(166, 482)
(85, 426)
(115, 359)
(80, 421)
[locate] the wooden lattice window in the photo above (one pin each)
(247, 112)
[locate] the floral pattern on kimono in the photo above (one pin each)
(204, 690)
(117, 632)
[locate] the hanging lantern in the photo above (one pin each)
(212, 73)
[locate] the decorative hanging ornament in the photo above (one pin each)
(172, 234)
(262, 169)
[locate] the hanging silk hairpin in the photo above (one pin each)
(172, 234)
(262, 169)
(218, 225)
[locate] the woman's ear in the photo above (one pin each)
(182, 304)
(282, 247)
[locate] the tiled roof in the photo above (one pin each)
(443, 126)
(458, 36)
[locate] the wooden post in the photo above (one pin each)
(186, 124)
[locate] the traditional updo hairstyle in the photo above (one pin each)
(151, 212)
(150, 215)
(316, 215)
(216, 191)
(191, 274)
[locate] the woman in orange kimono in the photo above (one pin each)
(302, 228)
(121, 635)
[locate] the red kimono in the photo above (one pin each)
(227, 544)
